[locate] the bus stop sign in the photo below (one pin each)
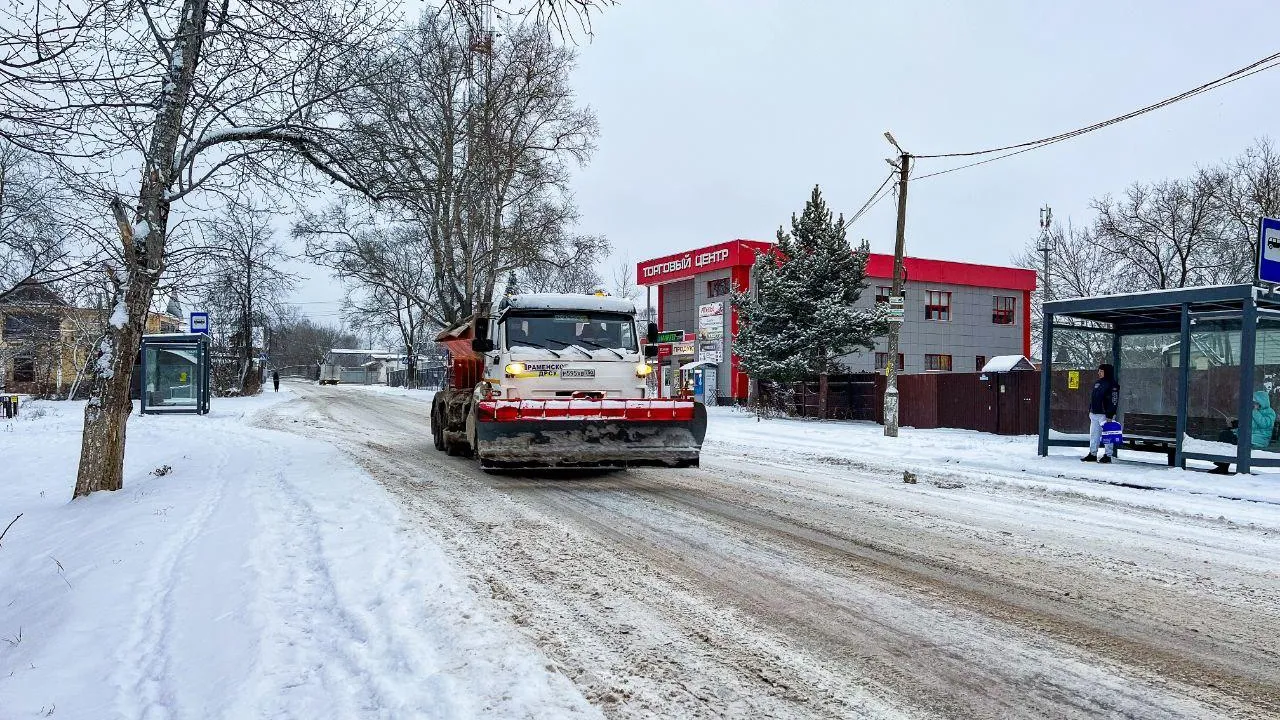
(1269, 251)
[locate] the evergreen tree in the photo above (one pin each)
(512, 288)
(801, 319)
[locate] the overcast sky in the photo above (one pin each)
(717, 117)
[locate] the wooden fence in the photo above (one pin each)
(1009, 403)
(1002, 403)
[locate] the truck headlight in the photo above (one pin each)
(514, 369)
(643, 370)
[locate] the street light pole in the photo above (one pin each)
(895, 321)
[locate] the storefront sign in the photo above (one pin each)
(711, 352)
(711, 321)
(664, 350)
(682, 348)
(670, 336)
(677, 267)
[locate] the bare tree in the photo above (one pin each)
(1079, 267)
(301, 342)
(1163, 235)
(244, 281)
(31, 234)
(204, 97)
(566, 265)
(473, 142)
(387, 270)
(624, 279)
(386, 267)
(563, 17)
(1245, 189)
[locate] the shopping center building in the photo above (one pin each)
(958, 314)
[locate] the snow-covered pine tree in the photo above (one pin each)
(801, 318)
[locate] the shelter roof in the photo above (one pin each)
(1157, 311)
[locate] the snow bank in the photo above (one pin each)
(993, 459)
(241, 573)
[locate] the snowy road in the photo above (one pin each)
(768, 584)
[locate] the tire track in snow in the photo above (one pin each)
(518, 539)
(307, 625)
(143, 675)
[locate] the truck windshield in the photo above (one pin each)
(560, 329)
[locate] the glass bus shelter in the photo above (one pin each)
(1191, 363)
(175, 374)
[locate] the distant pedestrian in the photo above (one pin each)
(1103, 402)
(275, 379)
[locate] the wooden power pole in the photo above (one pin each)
(897, 306)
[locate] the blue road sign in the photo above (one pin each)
(198, 322)
(1269, 251)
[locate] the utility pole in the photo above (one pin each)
(1046, 246)
(895, 300)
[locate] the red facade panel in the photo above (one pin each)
(954, 273)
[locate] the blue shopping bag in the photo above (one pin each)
(1112, 433)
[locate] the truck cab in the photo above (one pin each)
(566, 346)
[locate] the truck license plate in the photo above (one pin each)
(578, 373)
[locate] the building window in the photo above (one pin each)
(716, 288)
(42, 326)
(1002, 309)
(937, 362)
(882, 361)
(937, 305)
(979, 362)
(24, 369)
(883, 292)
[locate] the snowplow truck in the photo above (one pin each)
(559, 381)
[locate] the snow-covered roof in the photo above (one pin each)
(570, 301)
(697, 364)
(341, 351)
(1005, 363)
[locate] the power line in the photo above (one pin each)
(1266, 63)
(870, 203)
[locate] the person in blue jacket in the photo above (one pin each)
(1103, 402)
(1264, 422)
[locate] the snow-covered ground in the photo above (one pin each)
(243, 572)
(1141, 478)
(252, 567)
(795, 574)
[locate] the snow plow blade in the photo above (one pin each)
(585, 433)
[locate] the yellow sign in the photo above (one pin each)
(182, 377)
(1073, 379)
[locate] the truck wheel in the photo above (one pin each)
(437, 432)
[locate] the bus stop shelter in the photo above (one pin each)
(175, 374)
(1189, 362)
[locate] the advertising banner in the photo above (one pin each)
(711, 321)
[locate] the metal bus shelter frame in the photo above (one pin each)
(199, 342)
(1165, 312)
